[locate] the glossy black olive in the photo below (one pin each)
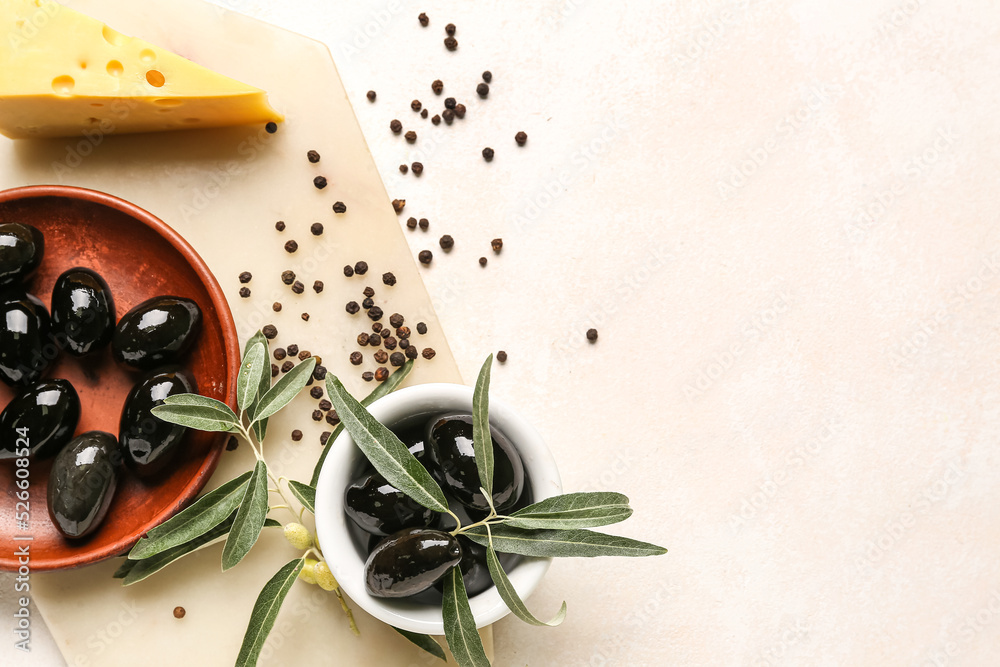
(156, 332)
(46, 414)
(409, 562)
(475, 571)
(82, 483)
(381, 509)
(25, 349)
(452, 456)
(148, 444)
(83, 312)
(21, 250)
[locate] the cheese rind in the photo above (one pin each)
(63, 73)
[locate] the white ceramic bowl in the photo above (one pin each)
(347, 561)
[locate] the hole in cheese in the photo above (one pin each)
(63, 85)
(115, 68)
(168, 102)
(147, 56)
(155, 78)
(113, 37)
(83, 64)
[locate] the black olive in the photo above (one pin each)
(82, 483)
(409, 562)
(156, 332)
(148, 444)
(452, 456)
(25, 350)
(83, 312)
(21, 250)
(381, 509)
(43, 418)
(475, 571)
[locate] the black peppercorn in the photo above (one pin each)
(403, 332)
(244, 292)
(280, 353)
(411, 137)
(271, 127)
(296, 435)
(482, 261)
(497, 245)
(361, 268)
(396, 320)
(339, 207)
(367, 303)
(298, 287)
(381, 356)
(501, 356)
(437, 86)
(317, 415)
(371, 95)
(397, 359)
(288, 277)
(319, 182)
(270, 331)
(421, 328)
(357, 358)
(318, 286)
(460, 110)
(332, 417)
(375, 313)
(425, 256)
(403, 343)
(305, 354)
(488, 154)
(521, 138)
(363, 338)
(348, 270)
(448, 115)
(396, 127)
(377, 328)
(381, 373)
(316, 392)
(280, 225)
(487, 76)
(276, 307)
(411, 223)
(428, 353)
(389, 279)
(483, 90)
(592, 335)
(291, 246)
(316, 228)
(423, 114)
(389, 342)
(245, 277)
(403, 169)
(313, 156)
(368, 291)
(274, 370)
(320, 371)
(367, 376)
(450, 43)
(446, 242)
(436, 119)
(293, 350)
(375, 339)
(353, 307)
(450, 28)
(424, 224)
(398, 204)
(411, 352)
(325, 405)
(324, 437)
(418, 168)
(287, 366)
(449, 103)
(416, 105)
(423, 19)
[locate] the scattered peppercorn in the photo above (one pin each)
(487, 76)
(592, 335)
(280, 353)
(377, 328)
(348, 270)
(483, 90)
(381, 373)
(276, 307)
(423, 114)
(305, 317)
(280, 225)
(460, 110)
(411, 137)
(449, 116)
(437, 86)
(270, 331)
(339, 207)
(403, 168)
(313, 156)
(332, 417)
(450, 43)
(316, 392)
(271, 127)
(421, 328)
(375, 339)
(416, 105)
(397, 359)
(363, 338)
(368, 291)
(274, 370)
(357, 358)
(325, 405)
(179, 611)
(398, 204)
(304, 354)
(502, 356)
(232, 443)
(353, 307)
(423, 19)
(316, 228)
(293, 350)
(425, 256)
(246, 277)
(389, 279)
(367, 376)
(521, 138)
(298, 287)
(403, 332)
(361, 268)
(288, 277)
(244, 292)
(411, 352)
(482, 261)
(319, 182)
(317, 415)
(320, 371)
(497, 245)
(411, 223)
(367, 303)
(318, 286)
(396, 127)
(428, 353)
(396, 320)
(418, 168)
(381, 356)
(296, 435)
(287, 366)
(449, 103)
(446, 242)
(450, 28)
(488, 154)
(389, 342)
(371, 95)
(324, 437)
(375, 313)
(436, 119)
(424, 224)
(404, 343)
(291, 246)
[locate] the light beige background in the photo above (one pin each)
(782, 217)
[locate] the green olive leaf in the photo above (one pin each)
(385, 451)
(265, 611)
(259, 428)
(200, 517)
(249, 519)
(197, 417)
(197, 400)
(383, 389)
(248, 379)
(561, 543)
(459, 623)
(285, 389)
(306, 494)
(482, 441)
(148, 566)
(573, 510)
(510, 596)
(425, 642)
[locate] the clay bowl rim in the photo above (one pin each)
(231, 347)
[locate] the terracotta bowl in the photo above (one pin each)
(140, 257)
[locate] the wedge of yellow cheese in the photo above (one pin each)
(63, 73)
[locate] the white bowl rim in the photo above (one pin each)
(331, 522)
